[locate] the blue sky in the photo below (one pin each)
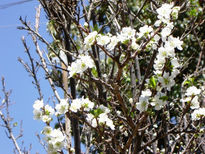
(17, 79)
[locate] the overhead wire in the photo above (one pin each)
(4, 6)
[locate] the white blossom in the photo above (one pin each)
(175, 63)
(157, 102)
(80, 65)
(127, 33)
(195, 103)
(87, 104)
(166, 32)
(38, 104)
(146, 93)
(55, 140)
(91, 119)
(166, 81)
(198, 113)
(90, 39)
(114, 41)
(47, 130)
(103, 118)
(37, 114)
(143, 103)
(145, 30)
(62, 107)
(102, 39)
(49, 110)
(46, 118)
(192, 91)
(76, 105)
(164, 11)
(174, 42)
(165, 52)
(104, 109)
(134, 45)
(159, 64)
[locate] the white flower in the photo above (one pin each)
(198, 113)
(159, 64)
(47, 130)
(49, 110)
(90, 118)
(145, 30)
(195, 103)
(104, 109)
(174, 73)
(80, 65)
(174, 42)
(87, 104)
(104, 119)
(114, 41)
(62, 108)
(146, 93)
(164, 11)
(165, 32)
(127, 33)
(46, 118)
(87, 61)
(56, 140)
(85, 24)
(192, 91)
(57, 134)
(186, 99)
(38, 104)
(134, 45)
(166, 81)
(157, 23)
(90, 39)
(37, 114)
(76, 105)
(102, 39)
(157, 102)
(131, 100)
(175, 63)
(143, 103)
(165, 52)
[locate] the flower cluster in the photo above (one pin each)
(101, 118)
(165, 12)
(80, 65)
(192, 97)
(54, 138)
(110, 41)
(198, 114)
(42, 112)
(166, 52)
(81, 103)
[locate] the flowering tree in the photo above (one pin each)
(131, 73)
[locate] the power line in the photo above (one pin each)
(4, 6)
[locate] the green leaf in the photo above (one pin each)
(15, 124)
(153, 82)
(94, 72)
